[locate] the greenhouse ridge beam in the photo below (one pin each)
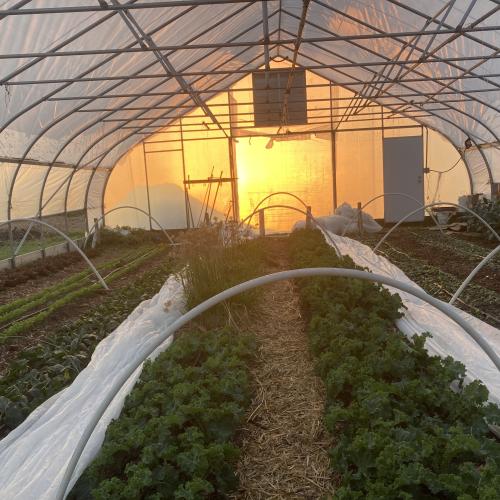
(291, 41)
(334, 99)
(123, 7)
(243, 72)
(174, 128)
(325, 66)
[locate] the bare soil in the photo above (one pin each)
(440, 263)
(450, 253)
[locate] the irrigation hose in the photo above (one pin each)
(243, 287)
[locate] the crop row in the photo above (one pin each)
(406, 425)
(63, 296)
(16, 308)
(174, 436)
(44, 369)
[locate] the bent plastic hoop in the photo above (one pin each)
(169, 238)
(404, 195)
(437, 203)
(316, 221)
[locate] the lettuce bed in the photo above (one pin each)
(401, 431)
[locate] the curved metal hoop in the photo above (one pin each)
(169, 238)
(473, 273)
(276, 193)
(256, 209)
(243, 287)
(404, 195)
(68, 239)
(316, 221)
(437, 203)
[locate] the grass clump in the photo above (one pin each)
(215, 261)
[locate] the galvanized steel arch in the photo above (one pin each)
(281, 11)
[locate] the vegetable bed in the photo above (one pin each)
(173, 438)
(42, 370)
(403, 432)
(21, 315)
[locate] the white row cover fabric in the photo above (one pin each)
(46, 115)
(33, 456)
(448, 338)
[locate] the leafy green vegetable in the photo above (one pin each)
(402, 432)
(173, 438)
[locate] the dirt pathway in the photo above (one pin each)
(285, 445)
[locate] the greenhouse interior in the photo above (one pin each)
(249, 249)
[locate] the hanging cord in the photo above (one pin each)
(440, 174)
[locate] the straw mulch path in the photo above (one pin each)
(284, 450)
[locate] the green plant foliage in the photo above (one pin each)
(401, 431)
(173, 438)
(489, 210)
(213, 266)
(44, 369)
(63, 295)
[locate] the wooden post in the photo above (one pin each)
(262, 223)
(360, 219)
(308, 218)
(95, 237)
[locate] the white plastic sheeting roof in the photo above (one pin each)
(74, 78)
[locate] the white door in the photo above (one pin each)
(403, 173)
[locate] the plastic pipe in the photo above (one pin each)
(473, 273)
(68, 239)
(404, 195)
(437, 203)
(256, 209)
(286, 193)
(169, 238)
(243, 287)
(307, 213)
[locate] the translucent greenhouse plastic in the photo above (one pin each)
(448, 339)
(33, 456)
